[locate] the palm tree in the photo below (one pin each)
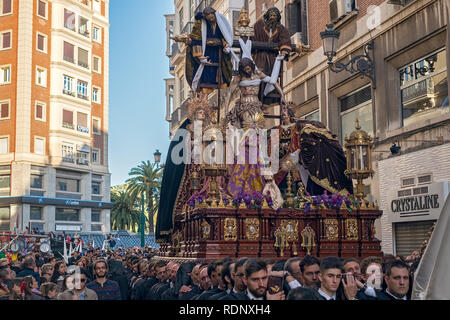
(123, 214)
(145, 180)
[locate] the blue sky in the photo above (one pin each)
(138, 65)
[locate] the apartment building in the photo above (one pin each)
(54, 62)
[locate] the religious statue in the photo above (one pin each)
(247, 114)
(289, 146)
(322, 160)
(208, 59)
(270, 41)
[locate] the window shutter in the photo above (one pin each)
(68, 51)
(82, 119)
(409, 236)
(304, 22)
(39, 111)
(41, 42)
(67, 116)
(96, 64)
(4, 110)
(6, 6)
(292, 18)
(7, 40)
(83, 57)
(42, 8)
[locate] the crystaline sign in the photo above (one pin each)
(427, 206)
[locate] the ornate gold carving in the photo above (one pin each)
(252, 228)
(309, 128)
(331, 228)
(308, 239)
(177, 237)
(351, 225)
(281, 240)
(206, 230)
(230, 229)
(290, 227)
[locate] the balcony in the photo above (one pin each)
(188, 27)
(68, 125)
(69, 59)
(68, 159)
(82, 161)
(82, 129)
(84, 32)
(83, 64)
(69, 93)
(82, 96)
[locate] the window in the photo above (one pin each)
(69, 50)
(96, 227)
(313, 116)
(41, 77)
(5, 75)
(341, 8)
(181, 19)
(424, 179)
(40, 112)
(39, 146)
(96, 126)
(5, 7)
(181, 90)
(69, 19)
(357, 106)
(97, 34)
(424, 87)
(96, 6)
(95, 94)
(4, 110)
(42, 9)
(67, 153)
(96, 188)
(41, 42)
(96, 156)
(407, 182)
(67, 119)
(5, 181)
(96, 64)
(83, 58)
(67, 185)
(36, 181)
(95, 216)
(63, 214)
(36, 213)
(82, 122)
(5, 216)
(4, 145)
(5, 40)
(68, 86)
(83, 158)
(83, 27)
(296, 15)
(82, 90)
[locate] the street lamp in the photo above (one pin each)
(362, 64)
(157, 156)
(358, 149)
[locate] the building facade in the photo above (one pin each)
(406, 104)
(54, 61)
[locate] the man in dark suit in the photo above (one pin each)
(171, 270)
(163, 283)
(256, 279)
(330, 277)
(226, 281)
(397, 281)
(237, 276)
(215, 276)
(188, 293)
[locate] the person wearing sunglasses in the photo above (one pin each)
(78, 290)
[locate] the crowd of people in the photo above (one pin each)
(137, 274)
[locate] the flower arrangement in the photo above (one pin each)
(252, 200)
(329, 201)
(197, 198)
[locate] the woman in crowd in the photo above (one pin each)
(49, 291)
(58, 274)
(31, 290)
(16, 292)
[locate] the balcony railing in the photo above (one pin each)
(69, 59)
(67, 125)
(83, 64)
(69, 93)
(82, 96)
(69, 159)
(82, 161)
(84, 32)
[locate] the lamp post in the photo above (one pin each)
(358, 149)
(362, 64)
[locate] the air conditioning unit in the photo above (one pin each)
(340, 8)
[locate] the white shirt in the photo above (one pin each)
(396, 298)
(327, 297)
(295, 284)
(252, 297)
